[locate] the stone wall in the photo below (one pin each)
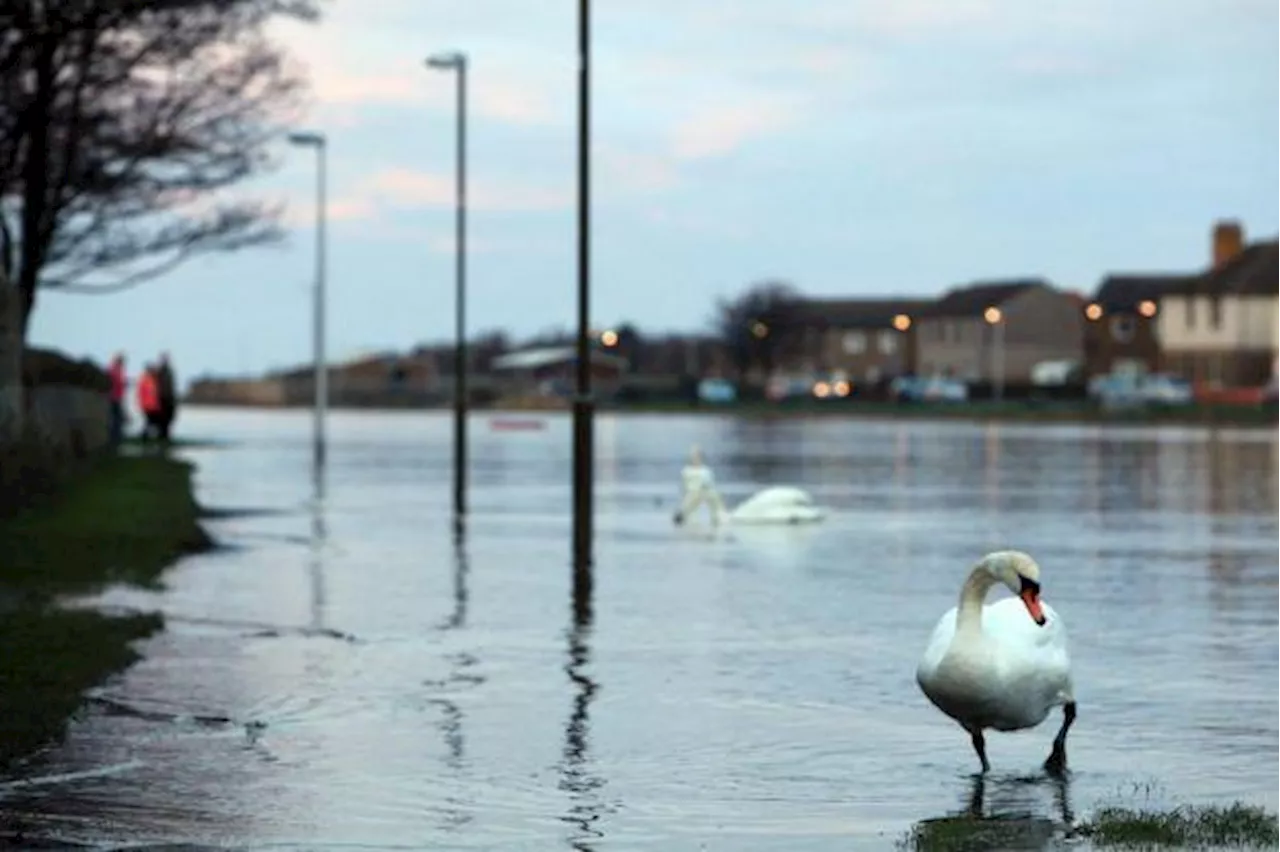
(11, 405)
(52, 409)
(69, 418)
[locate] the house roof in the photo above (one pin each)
(855, 313)
(1124, 292)
(972, 299)
(545, 356)
(1254, 271)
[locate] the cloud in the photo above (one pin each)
(348, 209)
(717, 131)
(494, 99)
(412, 188)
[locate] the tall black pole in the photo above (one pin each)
(582, 404)
(460, 306)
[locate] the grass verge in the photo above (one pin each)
(125, 521)
(1236, 826)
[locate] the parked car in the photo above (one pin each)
(928, 389)
(717, 391)
(1125, 389)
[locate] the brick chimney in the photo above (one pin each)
(1228, 241)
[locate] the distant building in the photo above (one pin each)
(1122, 319)
(552, 371)
(867, 339)
(957, 335)
(1220, 328)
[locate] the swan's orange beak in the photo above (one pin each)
(1032, 601)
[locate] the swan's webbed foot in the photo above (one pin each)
(1056, 764)
(980, 746)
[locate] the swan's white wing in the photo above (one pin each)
(1011, 679)
(778, 504)
(939, 641)
(1033, 660)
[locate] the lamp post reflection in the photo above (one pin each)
(451, 715)
(319, 533)
(585, 808)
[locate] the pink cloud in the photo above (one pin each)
(717, 131)
(343, 209)
(491, 97)
(412, 188)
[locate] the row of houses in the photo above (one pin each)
(1216, 326)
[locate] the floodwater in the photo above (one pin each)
(338, 677)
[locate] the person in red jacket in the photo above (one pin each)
(149, 402)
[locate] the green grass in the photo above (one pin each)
(48, 658)
(1236, 826)
(124, 521)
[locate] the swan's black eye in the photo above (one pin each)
(1029, 585)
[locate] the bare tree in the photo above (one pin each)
(755, 327)
(124, 123)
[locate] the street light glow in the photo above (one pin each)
(760, 330)
(902, 322)
(1147, 308)
(992, 315)
(1094, 312)
(609, 338)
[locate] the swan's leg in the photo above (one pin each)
(980, 746)
(1057, 761)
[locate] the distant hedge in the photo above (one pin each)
(46, 367)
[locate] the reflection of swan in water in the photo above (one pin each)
(779, 504)
(1012, 824)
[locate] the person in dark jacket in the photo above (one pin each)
(168, 397)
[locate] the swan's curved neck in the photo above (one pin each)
(972, 594)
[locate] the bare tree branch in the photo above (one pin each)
(126, 124)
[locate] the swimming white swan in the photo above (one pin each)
(1002, 666)
(780, 504)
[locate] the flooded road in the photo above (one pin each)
(340, 677)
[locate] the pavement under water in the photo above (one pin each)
(340, 675)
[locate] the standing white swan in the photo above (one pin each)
(780, 504)
(995, 667)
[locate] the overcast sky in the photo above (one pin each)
(858, 147)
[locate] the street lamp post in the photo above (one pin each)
(995, 318)
(456, 61)
(321, 379)
(582, 403)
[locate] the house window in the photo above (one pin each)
(1215, 312)
(854, 343)
(1191, 312)
(1121, 328)
(888, 342)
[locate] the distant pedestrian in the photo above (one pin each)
(168, 397)
(119, 383)
(149, 402)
